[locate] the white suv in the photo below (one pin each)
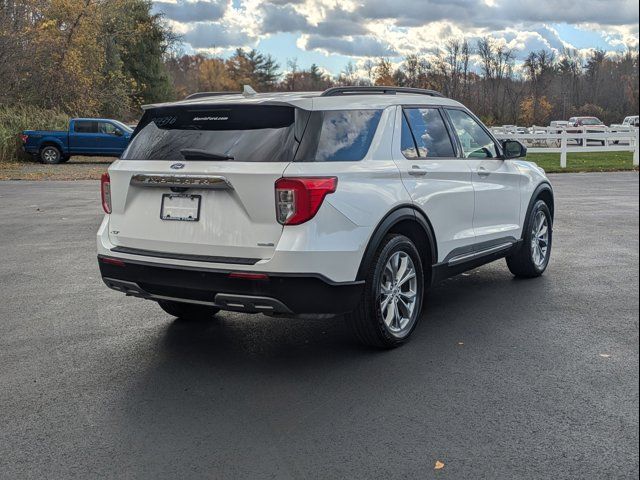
(349, 201)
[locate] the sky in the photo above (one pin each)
(332, 33)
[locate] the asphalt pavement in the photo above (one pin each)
(503, 378)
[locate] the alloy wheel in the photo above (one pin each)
(540, 239)
(398, 293)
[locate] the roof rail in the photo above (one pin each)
(209, 94)
(337, 91)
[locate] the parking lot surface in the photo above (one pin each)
(503, 378)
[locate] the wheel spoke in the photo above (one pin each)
(409, 276)
(397, 319)
(390, 314)
(403, 260)
(409, 295)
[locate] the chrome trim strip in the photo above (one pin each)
(481, 253)
(209, 182)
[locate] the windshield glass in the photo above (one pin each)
(591, 121)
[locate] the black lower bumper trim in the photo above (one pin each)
(278, 293)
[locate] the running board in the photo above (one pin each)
(480, 253)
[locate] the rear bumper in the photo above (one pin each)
(277, 293)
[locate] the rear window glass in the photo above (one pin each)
(338, 135)
(233, 133)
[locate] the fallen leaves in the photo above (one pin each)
(439, 465)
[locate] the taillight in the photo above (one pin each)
(299, 199)
(105, 192)
(24, 138)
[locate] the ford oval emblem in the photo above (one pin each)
(177, 166)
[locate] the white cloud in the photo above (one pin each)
(372, 28)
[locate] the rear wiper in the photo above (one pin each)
(196, 154)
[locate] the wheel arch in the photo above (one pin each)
(544, 192)
(51, 143)
(410, 222)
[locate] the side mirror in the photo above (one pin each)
(513, 149)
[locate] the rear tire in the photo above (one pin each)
(391, 302)
(50, 155)
(188, 311)
(532, 256)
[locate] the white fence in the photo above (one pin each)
(557, 140)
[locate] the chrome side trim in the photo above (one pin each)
(470, 256)
(209, 182)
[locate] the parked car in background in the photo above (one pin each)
(350, 201)
(99, 137)
(587, 125)
(558, 126)
(627, 124)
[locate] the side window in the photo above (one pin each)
(108, 128)
(476, 142)
(429, 133)
(407, 144)
(338, 135)
(84, 126)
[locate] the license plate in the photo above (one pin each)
(180, 206)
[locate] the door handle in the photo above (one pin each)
(483, 172)
(416, 171)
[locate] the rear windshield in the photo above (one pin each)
(240, 133)
(249, 133)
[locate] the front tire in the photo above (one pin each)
(532, 257)
(50, 155)
(391, 303)
(188, 311)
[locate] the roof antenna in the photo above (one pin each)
(247, 91)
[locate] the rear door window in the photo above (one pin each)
(338, 135)
(425, 128)
(84, 126)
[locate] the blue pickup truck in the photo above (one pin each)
(99, 137)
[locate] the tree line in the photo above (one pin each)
(107, 58)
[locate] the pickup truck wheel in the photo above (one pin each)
(188, 311)
(50, 155)
(392, 299)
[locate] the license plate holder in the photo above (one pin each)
(180, 207)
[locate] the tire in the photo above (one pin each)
(532, 257)
(604, 143)
(50, 155)
(65, 159)
(188, 311)
(390, 326)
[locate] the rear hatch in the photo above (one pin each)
(197, 182)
